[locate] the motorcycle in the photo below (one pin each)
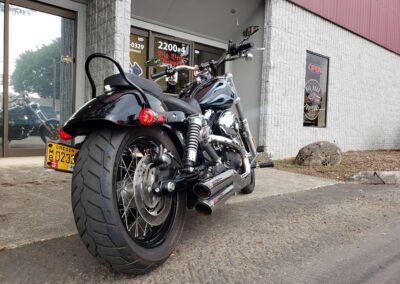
(27, 119)
(148, 157)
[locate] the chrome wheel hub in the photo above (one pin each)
(152, 208)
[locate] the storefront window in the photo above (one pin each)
(41, 76)
(145, 45)
(138, 54)
(174, 53)
(204, 53)
(316, 88)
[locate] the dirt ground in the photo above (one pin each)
(352, 163)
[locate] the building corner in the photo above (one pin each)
(107, 31)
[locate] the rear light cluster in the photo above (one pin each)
(147, 117)
(64, 135)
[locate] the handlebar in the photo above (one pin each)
(235, 49)
(159, 74)
(244, 46)
(172, 70)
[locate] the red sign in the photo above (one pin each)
(314, 68)
(170, 58)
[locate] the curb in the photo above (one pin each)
(377, 177)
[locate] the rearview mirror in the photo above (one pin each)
(250, 31)
(153, 62)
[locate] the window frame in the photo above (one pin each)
(327, 88)
(5, 150)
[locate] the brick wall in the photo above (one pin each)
(107, 31)
(363, 110)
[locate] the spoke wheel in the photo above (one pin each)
(146, 216)
(120, 221)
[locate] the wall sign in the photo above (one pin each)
(315, 91)
(145, 45)
(175, 53)
(172, 52)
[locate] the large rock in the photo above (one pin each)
(319, 153)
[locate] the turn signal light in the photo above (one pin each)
(147, 116)
(64, 135)
(162, 118)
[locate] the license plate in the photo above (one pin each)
(60, 157)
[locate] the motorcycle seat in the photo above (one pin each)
(189, 106)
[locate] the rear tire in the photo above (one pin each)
(95, 204)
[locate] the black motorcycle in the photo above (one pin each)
(147, 157)
(25, 119)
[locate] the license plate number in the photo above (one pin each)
(60, 157)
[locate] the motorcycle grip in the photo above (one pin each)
(159, 74)
(244, 46)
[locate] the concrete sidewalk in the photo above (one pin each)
(35, 203)
(22, 162)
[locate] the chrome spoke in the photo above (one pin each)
(137, 225)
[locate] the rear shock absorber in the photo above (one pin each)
(192, 141)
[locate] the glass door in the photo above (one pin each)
(204, 53)
(174, 52)
(40, 75)
(138, 52)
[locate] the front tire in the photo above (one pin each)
(97, 205)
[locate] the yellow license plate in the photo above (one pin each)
(60, 157)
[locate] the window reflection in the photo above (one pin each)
(41, 76)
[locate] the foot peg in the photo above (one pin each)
(261, 149)
(269, 164)
(262, 160)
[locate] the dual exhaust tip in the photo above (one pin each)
(214, 192)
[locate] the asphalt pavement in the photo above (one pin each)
(296, 229)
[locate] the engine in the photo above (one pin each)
(225, 123)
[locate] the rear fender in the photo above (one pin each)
(120, 108)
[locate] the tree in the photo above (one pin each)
(34, 70)
(16, 10)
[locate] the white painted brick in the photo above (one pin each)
(363, 109)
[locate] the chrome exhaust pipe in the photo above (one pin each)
(214, 192)
(208, 206)
(214, 185)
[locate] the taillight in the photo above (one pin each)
(147, 116)
(64, 135)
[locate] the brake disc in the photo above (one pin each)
(152, 208)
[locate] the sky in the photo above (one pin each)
(30, 32)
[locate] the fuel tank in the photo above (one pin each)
(215, 93)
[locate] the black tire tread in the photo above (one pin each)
(96, 226)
